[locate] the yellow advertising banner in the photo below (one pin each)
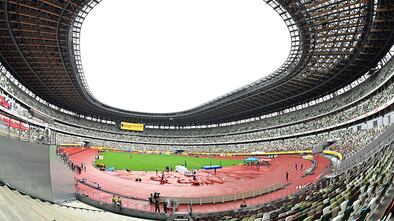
(131, 126)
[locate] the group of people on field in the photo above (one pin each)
(155, 199)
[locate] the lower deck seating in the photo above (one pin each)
(351, 195)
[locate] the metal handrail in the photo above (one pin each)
(33, 133)
(203, 200)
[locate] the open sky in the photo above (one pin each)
(162, 56)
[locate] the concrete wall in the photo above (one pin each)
(62, 179)
(32, 169)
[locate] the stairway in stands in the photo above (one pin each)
(15, 206)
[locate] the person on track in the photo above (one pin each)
(119, 203)
(114, 199)
(157, 206)
(165, 206)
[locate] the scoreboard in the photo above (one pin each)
(131, 126)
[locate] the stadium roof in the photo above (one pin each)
(333, 43)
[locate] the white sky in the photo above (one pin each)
(161, 56)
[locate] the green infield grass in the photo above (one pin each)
(152, 162)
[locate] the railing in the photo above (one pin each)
(96, 188)
(128, 208)
(224, 198)
(97, 185)
(17, 128)
(142, 208)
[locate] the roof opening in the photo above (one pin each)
(158, 56)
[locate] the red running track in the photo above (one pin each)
(242, 179)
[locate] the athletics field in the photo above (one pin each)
(152, 162)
